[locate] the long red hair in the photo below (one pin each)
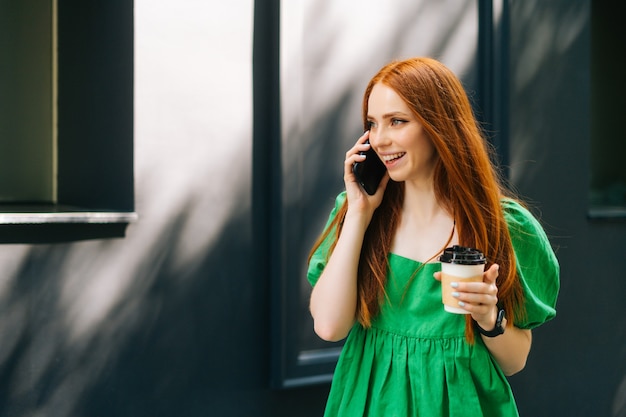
(466, 184)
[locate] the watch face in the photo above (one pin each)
(501, 316)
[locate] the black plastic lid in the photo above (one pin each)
(463, 256)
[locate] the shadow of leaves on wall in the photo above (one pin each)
(165, 340)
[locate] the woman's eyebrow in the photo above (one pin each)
(390, 115)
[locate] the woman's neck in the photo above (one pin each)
(425, 227)
(421, 204)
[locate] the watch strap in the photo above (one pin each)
(497, 329)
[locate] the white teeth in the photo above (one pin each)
(391, 157)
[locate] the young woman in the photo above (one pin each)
(374, 269)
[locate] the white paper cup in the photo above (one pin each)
(459, 264)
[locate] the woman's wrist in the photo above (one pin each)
(357, 217)
(489, 323)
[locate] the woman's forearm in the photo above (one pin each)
(511, 349)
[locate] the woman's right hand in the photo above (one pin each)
(358, 199)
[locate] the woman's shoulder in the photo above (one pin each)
(528, 235)
(518, 215)
(341, 198)
(513, 206)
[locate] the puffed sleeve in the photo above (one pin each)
(537, 265)
(320, 256)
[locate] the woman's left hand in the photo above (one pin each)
(479, 298)
(510, 350)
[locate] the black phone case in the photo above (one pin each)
(369, 172)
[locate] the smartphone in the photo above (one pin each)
(369, 172)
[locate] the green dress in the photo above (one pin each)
(414, 360)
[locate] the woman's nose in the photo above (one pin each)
(379, 138)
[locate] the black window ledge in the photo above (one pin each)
(66, 216)
(57, 224)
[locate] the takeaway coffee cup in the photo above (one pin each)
(459, 263)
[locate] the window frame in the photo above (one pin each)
(94, 129)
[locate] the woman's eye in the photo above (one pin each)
(396, 122)
(370, 125)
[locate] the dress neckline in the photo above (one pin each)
(433, 262)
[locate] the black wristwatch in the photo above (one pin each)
(498, 328)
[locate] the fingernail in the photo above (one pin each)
(461, 304)
(454, 284)
(455, 294)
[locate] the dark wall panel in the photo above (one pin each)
(578, 361)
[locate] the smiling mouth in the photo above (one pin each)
(390, 158)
